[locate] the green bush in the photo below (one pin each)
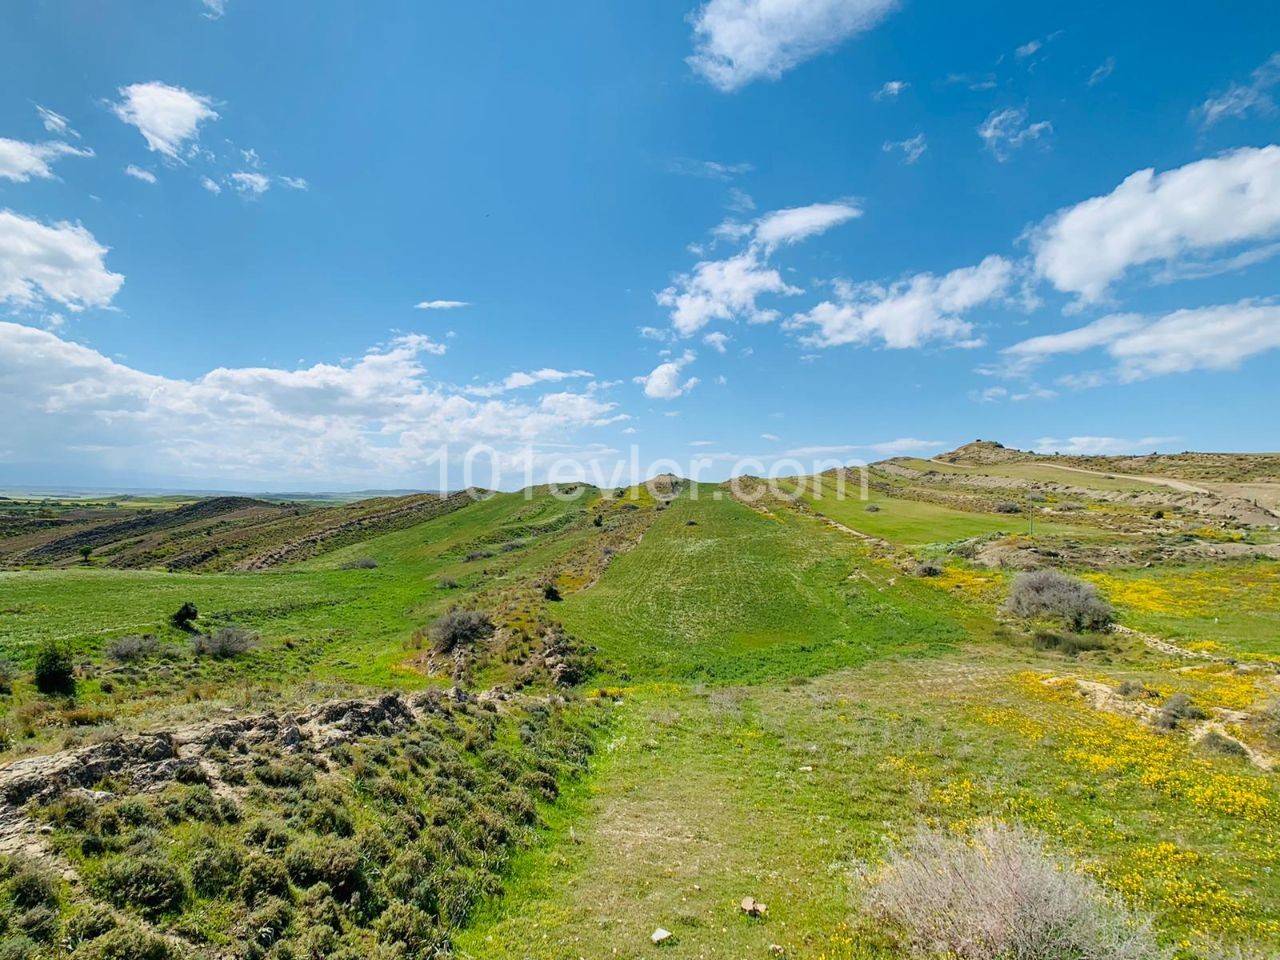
(263, 877)
(215, 868)
(54, 673)
(326, 860)
(129, 941)
(152, 884)
(17, 947)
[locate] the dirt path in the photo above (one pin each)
(1180, 485)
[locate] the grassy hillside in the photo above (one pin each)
(676, 702)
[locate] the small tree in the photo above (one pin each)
(185, 614)
(84, 554)
(1054, 595)
(55, 673)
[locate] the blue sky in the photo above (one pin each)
(802, 228)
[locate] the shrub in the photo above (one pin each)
(30, 885)
(447, 583)
(17, 947)
(55, 673)
(551, 592)
(326, 860)
(150, 883)
(998, 894)
(364, 563)
(1177, 708)
(224, 643)
(928, 568)
(1048, 593)
(128, 649)
(184, 615)
(411, 927)
(459, 627)
(215, 867)
(130, 941)
(263, 877)
(1215, 742)
(477, 555)
(872, 508)
(1008, 506)
(8, 670)
(1068, 644)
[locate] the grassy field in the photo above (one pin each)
(773, 702)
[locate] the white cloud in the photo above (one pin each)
(55, 123)
(891, 90)
(723, 290)
(1161, 218)
(520, 379)
(214, 9)
(440, 304)
(20, 161)
(1005, 130)
(912, 148)
(146, 176)
(729, 289)
(1100, 446)
(885, 448)
(908, 313)
(1203, 338)
(1103, 70)
(166, 116)
(251, 182)
(717, 341)
(711, 169)
(664, 381)
(738, 41)
(60, 262)
(794, 224)
(375, 418)
(1027, 49)
(211, 185)
(1239, 100)
(771, 437)
(295, 183)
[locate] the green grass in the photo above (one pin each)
(913, 523)
(717, 592)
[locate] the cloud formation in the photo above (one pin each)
(20, 161)
(912, 148)
(166, 116)
(908, 313)
(1006, 130)
(738, 41)
(376, 418)
(440, 304)
(664, 382)
(1185, 213)
(1241, 99)
(62, 262)
(1140, 347)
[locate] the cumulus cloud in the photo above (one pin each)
(1181, 214)
(1141, 347)
(20, 161)
(1005, 130)
(520, 379)
(146, 176)
(912, 148)
(367, 420)
(664, 381)
(440, 304)
(730, 288)
(1241, 99)
(908, 313)
(62, 262)
(166, 116)
(891, 90)
(738, 41)
(717, 341)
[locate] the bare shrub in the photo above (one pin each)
(459, 627)
(363, 563)
(447, 583)
(128, 649)
(1215, 742)
(1054, 595)
(1176, 709)
(224, 643)
(1008, 506)
(999, 895)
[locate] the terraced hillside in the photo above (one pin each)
(561, 723)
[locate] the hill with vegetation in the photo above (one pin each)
(701, 720)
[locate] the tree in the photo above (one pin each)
(55, 673)
(186, 613)
(84, 553)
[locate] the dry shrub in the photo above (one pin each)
(460, 627)
(999, 895)
(128, 649)
(1048, 593)
(224, 643)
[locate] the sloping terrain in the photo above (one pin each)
(677, 699)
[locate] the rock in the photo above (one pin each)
(777, 950)
(753, 907)
(660, 936)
